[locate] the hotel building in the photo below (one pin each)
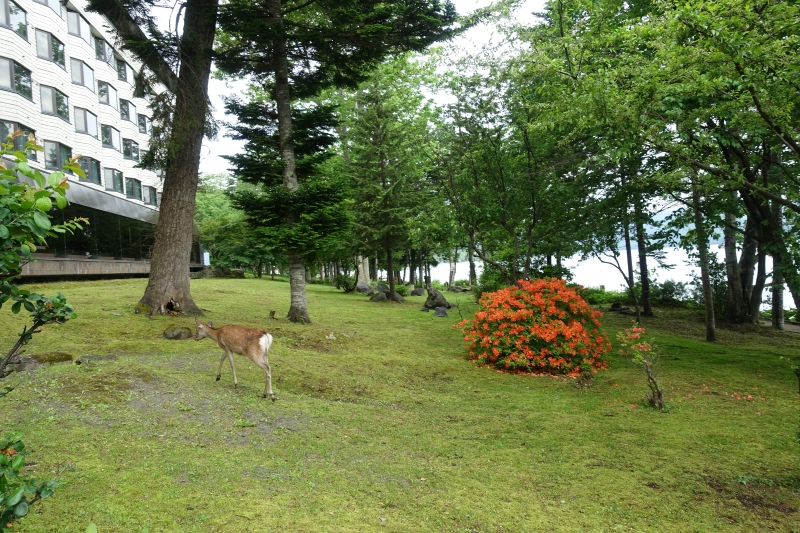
(62, 79)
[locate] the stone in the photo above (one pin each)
(425, 310)
(384, 288)
(378, 297)
(436, 299)
(89, 359)
(440, 311)
(178, 334)
(419, 291)
(363, 288)
(457, 288)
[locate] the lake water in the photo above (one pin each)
(594, 273)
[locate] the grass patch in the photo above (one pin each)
(389, 428)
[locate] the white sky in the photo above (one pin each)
(211, 161)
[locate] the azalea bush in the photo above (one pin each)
(540, 326)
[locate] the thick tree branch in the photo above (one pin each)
(130, 32)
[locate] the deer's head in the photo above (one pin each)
(202, 329)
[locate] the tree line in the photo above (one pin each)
(607, 129)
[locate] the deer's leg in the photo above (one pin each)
(263, 363)
(221, 360)
(233, 368)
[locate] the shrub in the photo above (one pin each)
(17, 493)
(402, 290)
(643, 354)
(539, 326)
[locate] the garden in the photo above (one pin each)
(383, 423)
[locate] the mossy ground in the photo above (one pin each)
(389, 428)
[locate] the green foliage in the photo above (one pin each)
(345, 283)
(24, 208)
(24, 223)
(645, 355)
(17, 493)
(601, 296)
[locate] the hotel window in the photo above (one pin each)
(85, 122)
(114, 180)
(14, 17)
(104, 52)
(150, 195)
(82, 74)
(48, 47)
(91, 167)
(107, 94)
(144, 124)
(15, 77)
(55, 5)
(78, 26)
(110, 137)
(125, 72)
(8, 127)
(54, 102)
(130, 149)
(133, 188)
(56, 155)
(127, 111)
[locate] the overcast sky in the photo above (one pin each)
(211, 158)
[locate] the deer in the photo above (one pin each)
(254, 343)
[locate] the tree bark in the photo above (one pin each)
(777, 276)
(168, 284)
(736, 308)
(644, 274)
(702, 248)
(747, 261)
(758, 287)
(298, 309)
(452, 260)
(390, 275)
(631, 282)
(473, 276)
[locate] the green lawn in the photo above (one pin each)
(389, 428)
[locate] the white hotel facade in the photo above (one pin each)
(62, 79)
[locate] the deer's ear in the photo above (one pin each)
(210, 324)
(197, 322)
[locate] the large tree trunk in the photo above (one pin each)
(747, 261)
(168, 284)
(390, 275)
(702, 248)
(630, 280)
(777, 276)
(473, 276)
(644, 275)
(298, 309)
(777, 296)
(363, 270)
(736, 308)
(758, 287)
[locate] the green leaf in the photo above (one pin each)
(54, 178)
(44, 204)
(3, 232)
(92, 528)
(41, 220)
(61, 201)
(21, 509)
(18, 462)
(39, 178)
(15, 497)
(15, 308)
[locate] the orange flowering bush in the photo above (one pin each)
(539, 326)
